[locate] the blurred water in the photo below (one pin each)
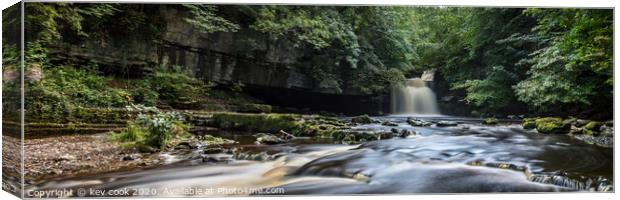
(469, 157)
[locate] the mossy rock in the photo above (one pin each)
(551, 125)
(529, 123)
(212, 140)
(212, 150)
(593, 125)
(490, 121)
(362, 119)
(356, 137)
(254, 108)
(297, 125)
(255, 122)
(592, 128)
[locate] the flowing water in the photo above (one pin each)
(415, 97)
(469, 157)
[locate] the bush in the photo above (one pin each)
(155, 128)
(142, 92)
(133, 133)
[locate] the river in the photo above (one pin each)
(468, 157)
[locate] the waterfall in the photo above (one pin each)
(415, 97)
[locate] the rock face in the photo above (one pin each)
(246, 56)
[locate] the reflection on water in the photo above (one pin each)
(466, 158)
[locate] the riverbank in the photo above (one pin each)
(74, 155)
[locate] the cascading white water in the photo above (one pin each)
(415, 97)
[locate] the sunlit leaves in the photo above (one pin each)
(205, 19)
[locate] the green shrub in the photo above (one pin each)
(142, 92)
(133, 133)
(155, 128)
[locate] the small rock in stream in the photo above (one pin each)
(389, 123)
(446, 123)
(212, 150)
(406, 133)
(266, 138)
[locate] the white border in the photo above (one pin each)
(492, 3)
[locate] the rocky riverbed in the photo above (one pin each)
(73, 155)
(365, 155)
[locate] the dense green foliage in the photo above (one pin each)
(574, 65)
(550, 60)
(355, 48)
(176, 88)
(553, 60)
(152, 127)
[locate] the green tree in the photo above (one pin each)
(574, 63)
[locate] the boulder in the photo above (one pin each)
(606, 130)
(266, 138)
(357, 136)
(388, 123)
(446, 123)
(394, 130)
(592, 128)
(146, 149)
(490, 121)
(529, 123)
(186, 145)
(405, 133)
(362, 119)
(130, 157)
(285, 136)
(551, 125)
(212, 150)
(574, 130)
(580, 122)
(417, 122)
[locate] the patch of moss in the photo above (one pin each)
(255, 122)
(212, 140)
(297, 125)
(551, 125)
(592, 128)
(529, 123)
(254, 108)
(490, 121)
(355, 137)
(593, 125)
